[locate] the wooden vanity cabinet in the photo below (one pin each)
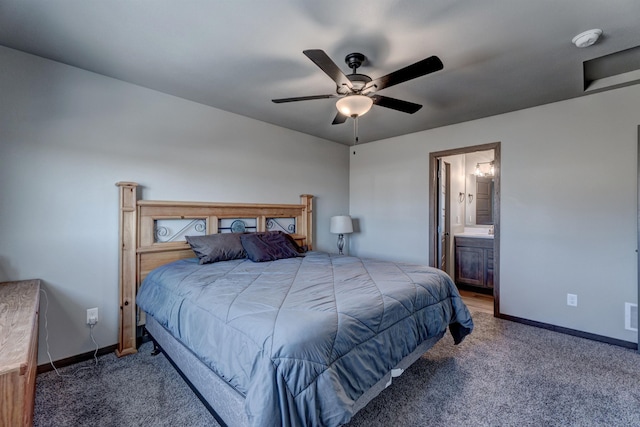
(474, 261)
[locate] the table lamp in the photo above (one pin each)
(341, 225)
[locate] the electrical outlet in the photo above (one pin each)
(92, 316)
(572, 300)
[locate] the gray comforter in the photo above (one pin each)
(303, 338)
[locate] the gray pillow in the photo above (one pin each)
(269, 246)
(217, 247)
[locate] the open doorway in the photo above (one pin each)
(464, 218)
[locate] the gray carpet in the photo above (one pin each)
(504, 374)
(136, 390)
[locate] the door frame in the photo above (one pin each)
(447, 222)
(638, 231)
(433, 210)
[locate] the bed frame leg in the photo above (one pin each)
(156, 349)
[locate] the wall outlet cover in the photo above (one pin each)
(92, 316)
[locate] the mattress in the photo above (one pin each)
(302, 339)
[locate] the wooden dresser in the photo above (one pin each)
(19, 303)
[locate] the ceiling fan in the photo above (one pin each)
(358, 92)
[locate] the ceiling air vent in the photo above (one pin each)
(612, 71)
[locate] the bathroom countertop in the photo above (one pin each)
(475, 235)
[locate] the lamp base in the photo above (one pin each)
(340, 243)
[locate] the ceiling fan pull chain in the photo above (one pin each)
(355, 133)
(355, 130)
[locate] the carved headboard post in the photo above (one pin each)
(128, 269)
(307, 227)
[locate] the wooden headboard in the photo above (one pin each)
(140, 252)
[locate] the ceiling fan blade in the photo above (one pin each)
(420, 68)
(396, 104)
(325, 63)
(339, 119)
(302, 98)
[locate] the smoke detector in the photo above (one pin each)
(587, 38)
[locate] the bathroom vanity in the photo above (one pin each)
(474, 260)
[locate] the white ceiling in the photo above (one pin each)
(237, 55)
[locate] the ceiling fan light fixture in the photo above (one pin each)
(354, 105)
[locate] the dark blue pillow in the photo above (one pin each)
(269, 246)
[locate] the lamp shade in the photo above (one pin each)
(354, 105)
(341, 224)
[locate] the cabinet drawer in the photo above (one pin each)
(474, 242)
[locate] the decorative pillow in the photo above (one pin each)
(296, 246)
(217, 247)
(269, 246)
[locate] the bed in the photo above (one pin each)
(306, 339)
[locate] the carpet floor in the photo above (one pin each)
(503, 374)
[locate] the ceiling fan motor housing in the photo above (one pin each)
(357, 80)
(354, 61)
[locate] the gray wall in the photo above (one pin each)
(68, 135)
(568, 209)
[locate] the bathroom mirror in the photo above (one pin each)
(484, 200)
(479, 188)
